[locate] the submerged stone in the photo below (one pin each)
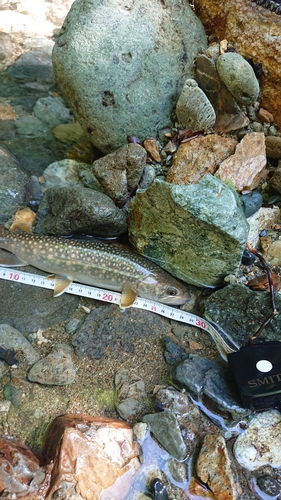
(196, 232)
(165, 428)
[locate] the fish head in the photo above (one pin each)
(166, 290)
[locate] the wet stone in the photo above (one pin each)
(108, 325)
(173, 351)
(10, 338)
(14, 185)
(30, 127)
(70, 173)
(239, 312)
(56, 368)
(165, 428)
(52, 111)
(273, 146)
(28, 308)
(66, 210)
(205, 376)
(268, 485)
(213, 467)
(264, 434)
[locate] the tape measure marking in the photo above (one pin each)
(74, 288)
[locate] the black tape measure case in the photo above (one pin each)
(256, 370)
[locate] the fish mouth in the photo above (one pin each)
(174, 301)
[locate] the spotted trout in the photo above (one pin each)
(92, 263)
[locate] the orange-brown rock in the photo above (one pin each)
(214, 469)
(246, 167)
(199, 157)
(255, 32)
(18, 467)
(96, 454)
(265, 116)
(196, 488)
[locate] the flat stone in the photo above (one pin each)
(239, 77)
(194, 110)
(205, 376)
(165, 428)
(70, 172)
(264, 434)
(130, 393)
(198, 157)
(97, 454)
(30, 127)
(66, 210)
(231, 307)
(245, 25)
(229, 116)
(27, 308)
(56, 368)
(196, 232)
(135, 56)
(14, 185)
(246, 167)
(10, 338)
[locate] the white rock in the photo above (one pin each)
(260, 444)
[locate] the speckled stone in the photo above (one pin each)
(121, 65)
(196, 232)
(263, 434)
(66, 210)
(10, 338)
(213, 467)
(194, 110)
(239, 77)
(273, 146)
(245, 25)
(56, 368)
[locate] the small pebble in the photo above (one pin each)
(248, 258)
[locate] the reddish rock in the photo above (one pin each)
(199, 157)
(151, 147)
(246, 167)
(265, 116)
(254, 32)
(96, 454)
(18, 467)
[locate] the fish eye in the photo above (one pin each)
(172, 291)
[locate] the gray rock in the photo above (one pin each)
(122, 64)
(194, 110)
(196, 232)
(107, 325)
(205, 376)
(66, 210)
(119, 172)
(52, 111)
(30, 127)
(14, 186)
(231, 307)
(27, 308)
(70, 173)
(56, 368)
(165, 428)
(130, 393)
(239, 77)
(228, 114)
(10, 338)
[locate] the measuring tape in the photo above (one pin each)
(224, 347)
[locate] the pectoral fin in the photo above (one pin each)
(8, 259)
(128, 296)
(61, 283)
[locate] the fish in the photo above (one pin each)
(93, 263)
